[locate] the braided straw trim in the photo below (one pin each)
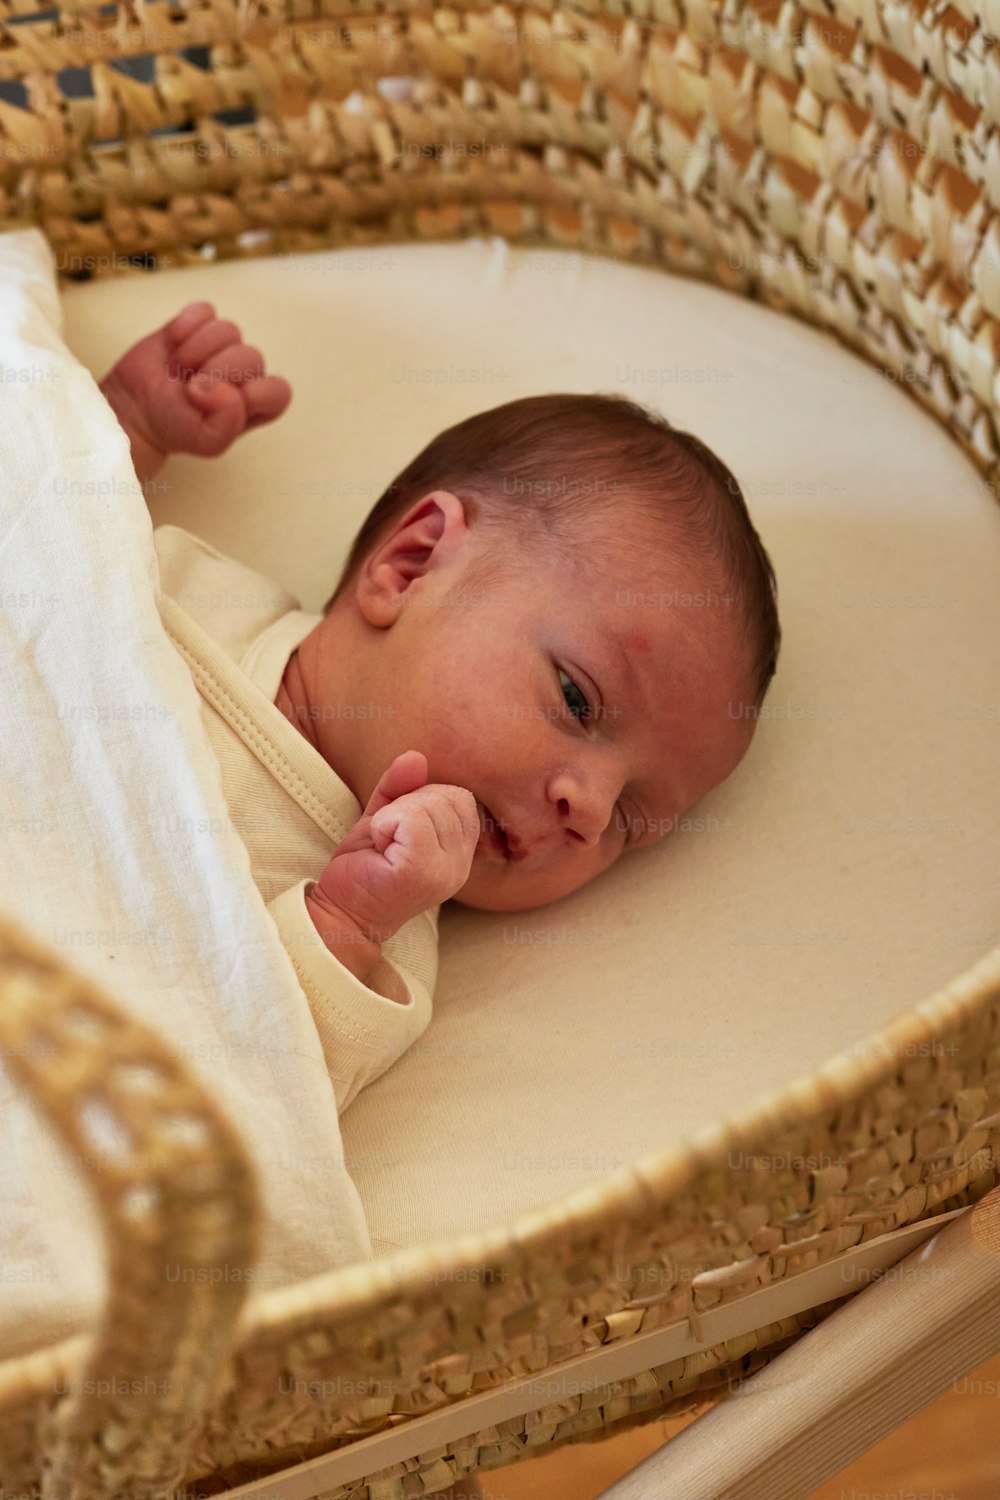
(808, 164)
(904, 1130)
(907, 1128)
(174, 1189)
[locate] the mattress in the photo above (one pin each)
(844, 872)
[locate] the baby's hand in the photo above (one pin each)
(193, 386)
(412, 848)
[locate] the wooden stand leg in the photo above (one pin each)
(900, 1342)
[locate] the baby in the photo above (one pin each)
(563, 598)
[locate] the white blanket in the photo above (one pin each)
(107, 787)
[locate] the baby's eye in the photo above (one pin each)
(573, 688)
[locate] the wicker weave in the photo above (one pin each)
(841, 163)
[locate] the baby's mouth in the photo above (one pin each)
(491, 835)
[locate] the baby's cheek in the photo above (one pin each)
(637, 642)
(453, 736)
(460, 712)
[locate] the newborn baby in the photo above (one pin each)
(563, 598)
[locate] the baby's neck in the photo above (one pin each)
(292, 699)
(317, 678)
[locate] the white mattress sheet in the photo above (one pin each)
(845, 872)
(118, 851)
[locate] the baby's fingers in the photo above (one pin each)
(207, 339)
(455, 818)
(428, 825)
(266, 399)
(223, 413)
(188, 321)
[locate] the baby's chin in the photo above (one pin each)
(496, 902)
(504, 891)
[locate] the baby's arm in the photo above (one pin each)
(359, 951)
(411, 849)
(192, 386)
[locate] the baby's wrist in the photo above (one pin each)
(147, 459)
(358, 948)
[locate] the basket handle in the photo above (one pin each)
(176, 1189)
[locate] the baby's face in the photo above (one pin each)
(585, 713)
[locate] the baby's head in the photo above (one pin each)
(563, 603)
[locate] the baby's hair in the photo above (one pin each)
(543, 465)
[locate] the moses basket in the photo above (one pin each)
(839, 162)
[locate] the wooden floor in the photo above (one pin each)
(948, 1451)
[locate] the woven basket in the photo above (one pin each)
(841, 163)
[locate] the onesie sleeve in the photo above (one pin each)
(362, 1031)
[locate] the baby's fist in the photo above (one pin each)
(193, 386)
(412, 848)
(224, 377)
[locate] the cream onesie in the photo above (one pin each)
(236, 630)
